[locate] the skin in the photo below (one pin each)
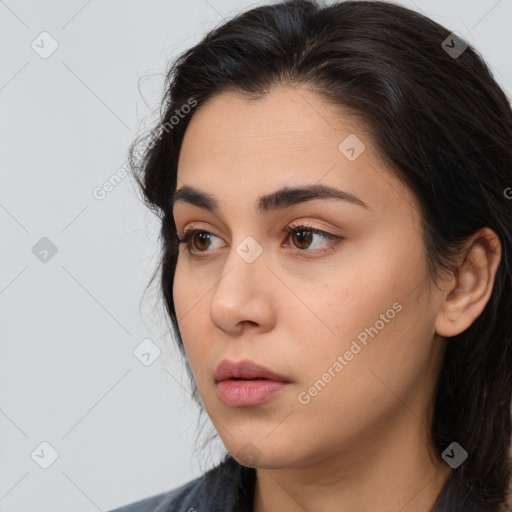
(361, 443)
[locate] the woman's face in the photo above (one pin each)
(348, 321)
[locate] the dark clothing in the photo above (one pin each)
(217, 491)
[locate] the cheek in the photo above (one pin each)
(371, 310)
(347, 302)
(189, 294)
(191, 304)
(381, 366)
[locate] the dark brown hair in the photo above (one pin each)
(442, 124)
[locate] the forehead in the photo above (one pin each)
(245, 148)
(289, 120)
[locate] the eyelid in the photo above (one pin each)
(333, 240)
(295, 224)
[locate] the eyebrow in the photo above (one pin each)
(280, 199)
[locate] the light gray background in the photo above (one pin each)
(68, 375)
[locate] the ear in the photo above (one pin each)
(467, 291)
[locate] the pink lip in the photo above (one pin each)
(245, 369)
(244, 393)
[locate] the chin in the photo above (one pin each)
(262, 454)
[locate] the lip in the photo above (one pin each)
(245, 369)
(246, 393)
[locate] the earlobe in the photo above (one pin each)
(469, 289)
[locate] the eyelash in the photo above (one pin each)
(335, 240)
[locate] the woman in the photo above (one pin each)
(334, 186)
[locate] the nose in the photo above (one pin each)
(243, 297)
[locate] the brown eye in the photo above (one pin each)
(303, 241)
(302, 238)
(204, 240)
(198, 241)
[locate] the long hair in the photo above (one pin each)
(442, 124)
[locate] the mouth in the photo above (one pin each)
(241, 378)
(245, 370)
(246, 383)
(239, 392)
